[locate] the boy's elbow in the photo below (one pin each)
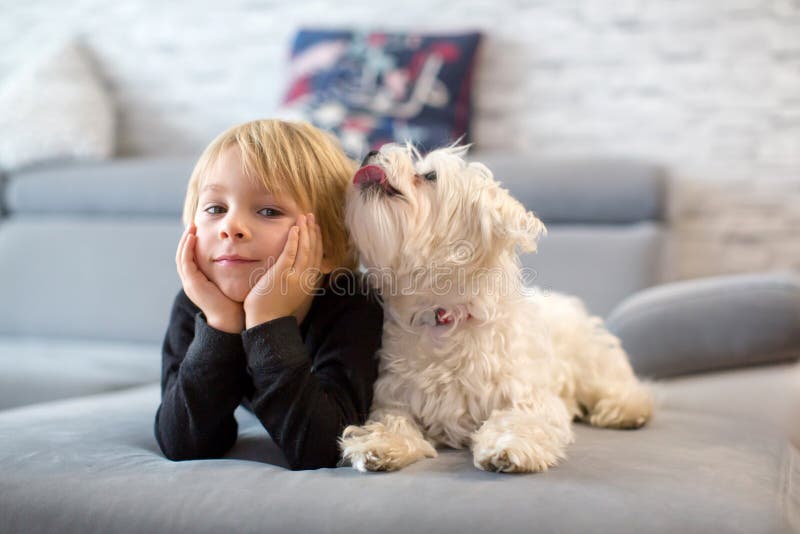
(180, 452)
(311, 465)
(181, 446)
(314, 461)
(182, 455)
(178, 455)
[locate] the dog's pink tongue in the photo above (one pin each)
(369, 174)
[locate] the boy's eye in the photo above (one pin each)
(214, 210)
(269, 212)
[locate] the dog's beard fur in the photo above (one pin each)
(510, 370)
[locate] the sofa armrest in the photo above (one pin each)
(710, 324)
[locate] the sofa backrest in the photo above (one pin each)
(88, 249)
(604, 218)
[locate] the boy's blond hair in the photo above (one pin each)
(294, 158)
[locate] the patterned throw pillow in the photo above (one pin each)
(373, 88)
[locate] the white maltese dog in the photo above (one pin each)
(470, 357)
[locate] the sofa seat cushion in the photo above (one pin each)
(766, 393)
(92, 465)
(37, 370)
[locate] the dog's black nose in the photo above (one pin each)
(366, 159)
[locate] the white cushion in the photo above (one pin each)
(55, 107)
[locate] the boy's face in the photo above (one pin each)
(241, 227)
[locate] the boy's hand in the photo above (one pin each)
(287, 287)
(221, 312)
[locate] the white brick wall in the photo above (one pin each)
(709, 88)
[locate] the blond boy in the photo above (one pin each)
(271, 313)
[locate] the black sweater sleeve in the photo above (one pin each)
(305, 400)
(203, 378)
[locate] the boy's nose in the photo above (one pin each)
(226, 234)
(233, 229)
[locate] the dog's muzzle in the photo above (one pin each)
(373, 177)
(369, 156)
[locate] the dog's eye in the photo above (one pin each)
(431, 176)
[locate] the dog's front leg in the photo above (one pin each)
(387, 442)
(528, 437)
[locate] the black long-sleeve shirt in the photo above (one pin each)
(305, 382)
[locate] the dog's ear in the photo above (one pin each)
(516, 224)
(504, 217)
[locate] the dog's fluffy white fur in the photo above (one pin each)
(512, 368)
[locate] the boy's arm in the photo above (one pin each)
(305, 404)
(202, 383)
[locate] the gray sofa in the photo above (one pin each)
(87, 274)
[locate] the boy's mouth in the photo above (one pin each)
(233, 259)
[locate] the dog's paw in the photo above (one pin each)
(366, 454)
(519, 459)
(370, 460)
(626, 410)
(374, 449)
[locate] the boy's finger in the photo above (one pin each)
(182, 259)
(191, 271)
(187, 259)
(181, 244)
(287, 258)
(190, 231)
(301, 260)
